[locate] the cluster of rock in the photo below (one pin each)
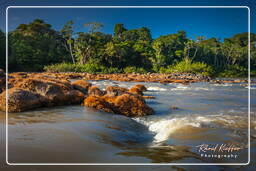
(128, 102)
(150, 77)
(30, 91)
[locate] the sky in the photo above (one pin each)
(209, 22)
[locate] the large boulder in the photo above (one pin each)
(138, 89)
(126, 104)
(132, 105)
(82, 86)
(31, 93)
(135, 90)
(20, 100)
(99, 103)
(141, 87)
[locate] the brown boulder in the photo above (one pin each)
(20, 100)
(82, 86)
(135, 90)
(115, 91)
(126, 104)
(98, 103)
(141, 87)
(131, 105)
(31, 93)
(95, 91)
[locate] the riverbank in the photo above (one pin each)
(150, 77)
(33, 90)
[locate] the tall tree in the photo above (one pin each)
(119, 29)
(93, 26)
(67, 34)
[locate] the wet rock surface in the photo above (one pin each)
(125, 104)
(34, 92)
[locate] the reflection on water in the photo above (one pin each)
(162, 154)
(207, 113)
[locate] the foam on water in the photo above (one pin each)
(156, 89)
(252, 88)
(164, 128)
(183, 87)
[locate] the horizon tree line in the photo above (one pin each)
(35, 45)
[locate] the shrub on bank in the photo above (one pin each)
(234, 71)
(61, 67)
(187, 66)
(89, 68)
(132, 69)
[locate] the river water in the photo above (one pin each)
(187, 116)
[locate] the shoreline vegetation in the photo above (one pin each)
(37, 47)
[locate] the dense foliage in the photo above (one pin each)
(36, 46)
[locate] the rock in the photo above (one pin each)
(126, 104)
(141, 87)
(31, 93)
(21, 100)
(98, 103)
(82, 86)
(148, 97)
(181, 81)
(151, 77)
(135, 90)
(95, 91)
(115, 91)
(131, 105)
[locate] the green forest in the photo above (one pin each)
(37, 47)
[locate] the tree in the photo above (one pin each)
(118, 53)
(67, 34)
(90, 46)
(119, 29)
(141, 34)
(169, 49)
(34, 45)
(86, 43)
(93, 26)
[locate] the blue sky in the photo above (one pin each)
(218, 23)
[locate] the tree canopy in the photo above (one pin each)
(35, 45)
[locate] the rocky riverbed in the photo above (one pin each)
(33, 90)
